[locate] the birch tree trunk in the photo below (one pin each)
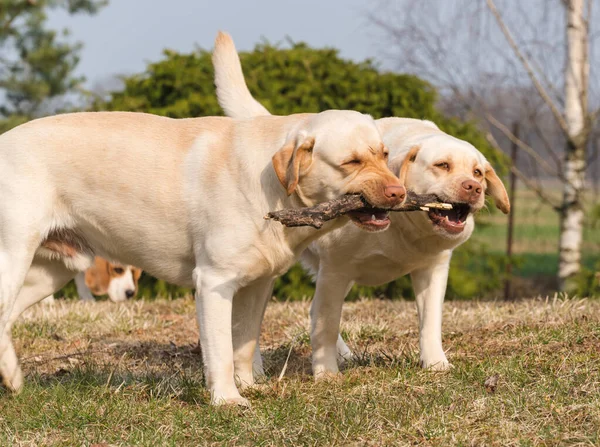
(576, 92)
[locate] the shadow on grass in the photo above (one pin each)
(159, 370)
(156, 370)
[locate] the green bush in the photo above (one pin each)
(304, 79)
(587, 282)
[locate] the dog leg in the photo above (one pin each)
(344, 353)
(249, 306)
(43, 278)
(82, 289)
(430, 287)
(16, 256)
(214, 296)
(49, 300)
(257, 362)
(326, 313)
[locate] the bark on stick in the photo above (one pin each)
(316, 216)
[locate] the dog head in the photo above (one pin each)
(340, 152)
(118, 281)
(432, 162)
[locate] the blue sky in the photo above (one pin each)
(127, 34)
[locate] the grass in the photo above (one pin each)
(103, 374)
(536, 233)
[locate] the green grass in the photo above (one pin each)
(536, 234)
(128, 375)
(544, 264)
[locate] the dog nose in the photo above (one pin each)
(129, 293)
(395, 193)
(472, 187)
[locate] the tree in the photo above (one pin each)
(474, 50)
(36, 65)
(300, 79)
(577, 128)
(294, 80)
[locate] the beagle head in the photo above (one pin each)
(119, 282)
(340, 152)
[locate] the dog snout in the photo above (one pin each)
(129, 293)
(394, 191)
(471, 190)
(395, 194)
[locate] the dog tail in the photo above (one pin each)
(232, 91)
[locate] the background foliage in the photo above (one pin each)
(304, 79)
(37, 64)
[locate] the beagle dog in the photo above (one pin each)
(119, 282)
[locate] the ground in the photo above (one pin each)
(128, 374)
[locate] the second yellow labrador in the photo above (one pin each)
(419, 243)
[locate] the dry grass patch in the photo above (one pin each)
(129, 375)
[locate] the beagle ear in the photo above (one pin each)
(406, 163)
(136, 272)
(97, 277)
(495, 188)
(292, 160)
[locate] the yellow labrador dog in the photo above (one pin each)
(185, 201)
(419, 243)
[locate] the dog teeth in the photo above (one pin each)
(373, 217)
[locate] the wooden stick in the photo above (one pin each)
(316, 216)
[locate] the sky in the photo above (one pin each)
(127, 34)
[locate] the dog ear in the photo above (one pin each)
(136, 272)
(295, 156)
(405, 163)
(495, 188)
(97, 277)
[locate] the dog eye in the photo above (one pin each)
(443, 165)
(119, 270)
(386, 155)
(354, 161)
(477, 173)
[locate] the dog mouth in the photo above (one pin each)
(453, 220)
(370, 218)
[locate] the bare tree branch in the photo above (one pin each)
(542, 136)
(537, 189)
(523, 146)
(538, 86)
(594, 116)
(525, 179)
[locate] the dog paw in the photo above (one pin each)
(15, 384)
(437, 365)
(259, 388)
(230, 401)
(326, 376)
(344, 357)
(344, 353)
